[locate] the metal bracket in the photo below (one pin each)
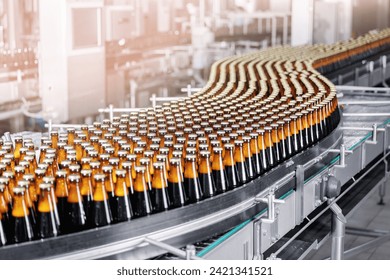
(265, 229)
(342, 151)
(271, 201)
(188, 254)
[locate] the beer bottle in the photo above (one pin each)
(142, 205)
(230, 166)
(86, 191)
(191, 179)
(242, 168)
(109, 183)
(32, 188)
(159, 194)
(18, 145)
(101, 211)
(219, 172)
(303, 131)
(176, 191)
(248, 156)
(22, 229)
(29, 203)
(47, 226)
(114, 162)
(148, 178)
(206, 177)
(54, 138)
(11, 181)
(95, 167)
(6, 193)
(270, 148)
(288, 135)
(296, 136)
(128, 168)
(61, 194)
(122, 210)
(256, 155)
(77, 219)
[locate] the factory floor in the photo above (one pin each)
(369, 215)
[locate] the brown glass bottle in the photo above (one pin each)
(22, 229)
(239, 158)
(122, 209)
(218, 170)
(29, 203)
(256, 155)
(142, 205)
(159, 195)
(148, 177)
(191, 179)
(230, 166)
(47, 226)
(86, 191)
(109, 183)
(270, 148)
(61, 194)
(101, 211)
(76, 217)
(249, 157)
(206, 177)
(176, 191)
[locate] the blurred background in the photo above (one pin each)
(62, 61)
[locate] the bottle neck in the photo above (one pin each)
(86, 186)
(120, 187)
(140, 183)
(100, 193)
(74, 193)
(175, 174)
(45, 204)
(158, 181)
(190, 170)
(61, 188)
(19, 208)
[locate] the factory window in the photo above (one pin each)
(86, 27)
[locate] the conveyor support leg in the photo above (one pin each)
(338, 232)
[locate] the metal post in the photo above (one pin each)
(342, 155)
(374, 132)
(190, 252)
(50, 125)
(133, 90)
(382, 187)
(338, 232)
(111, 112)
(154, 102)
(356, 82)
